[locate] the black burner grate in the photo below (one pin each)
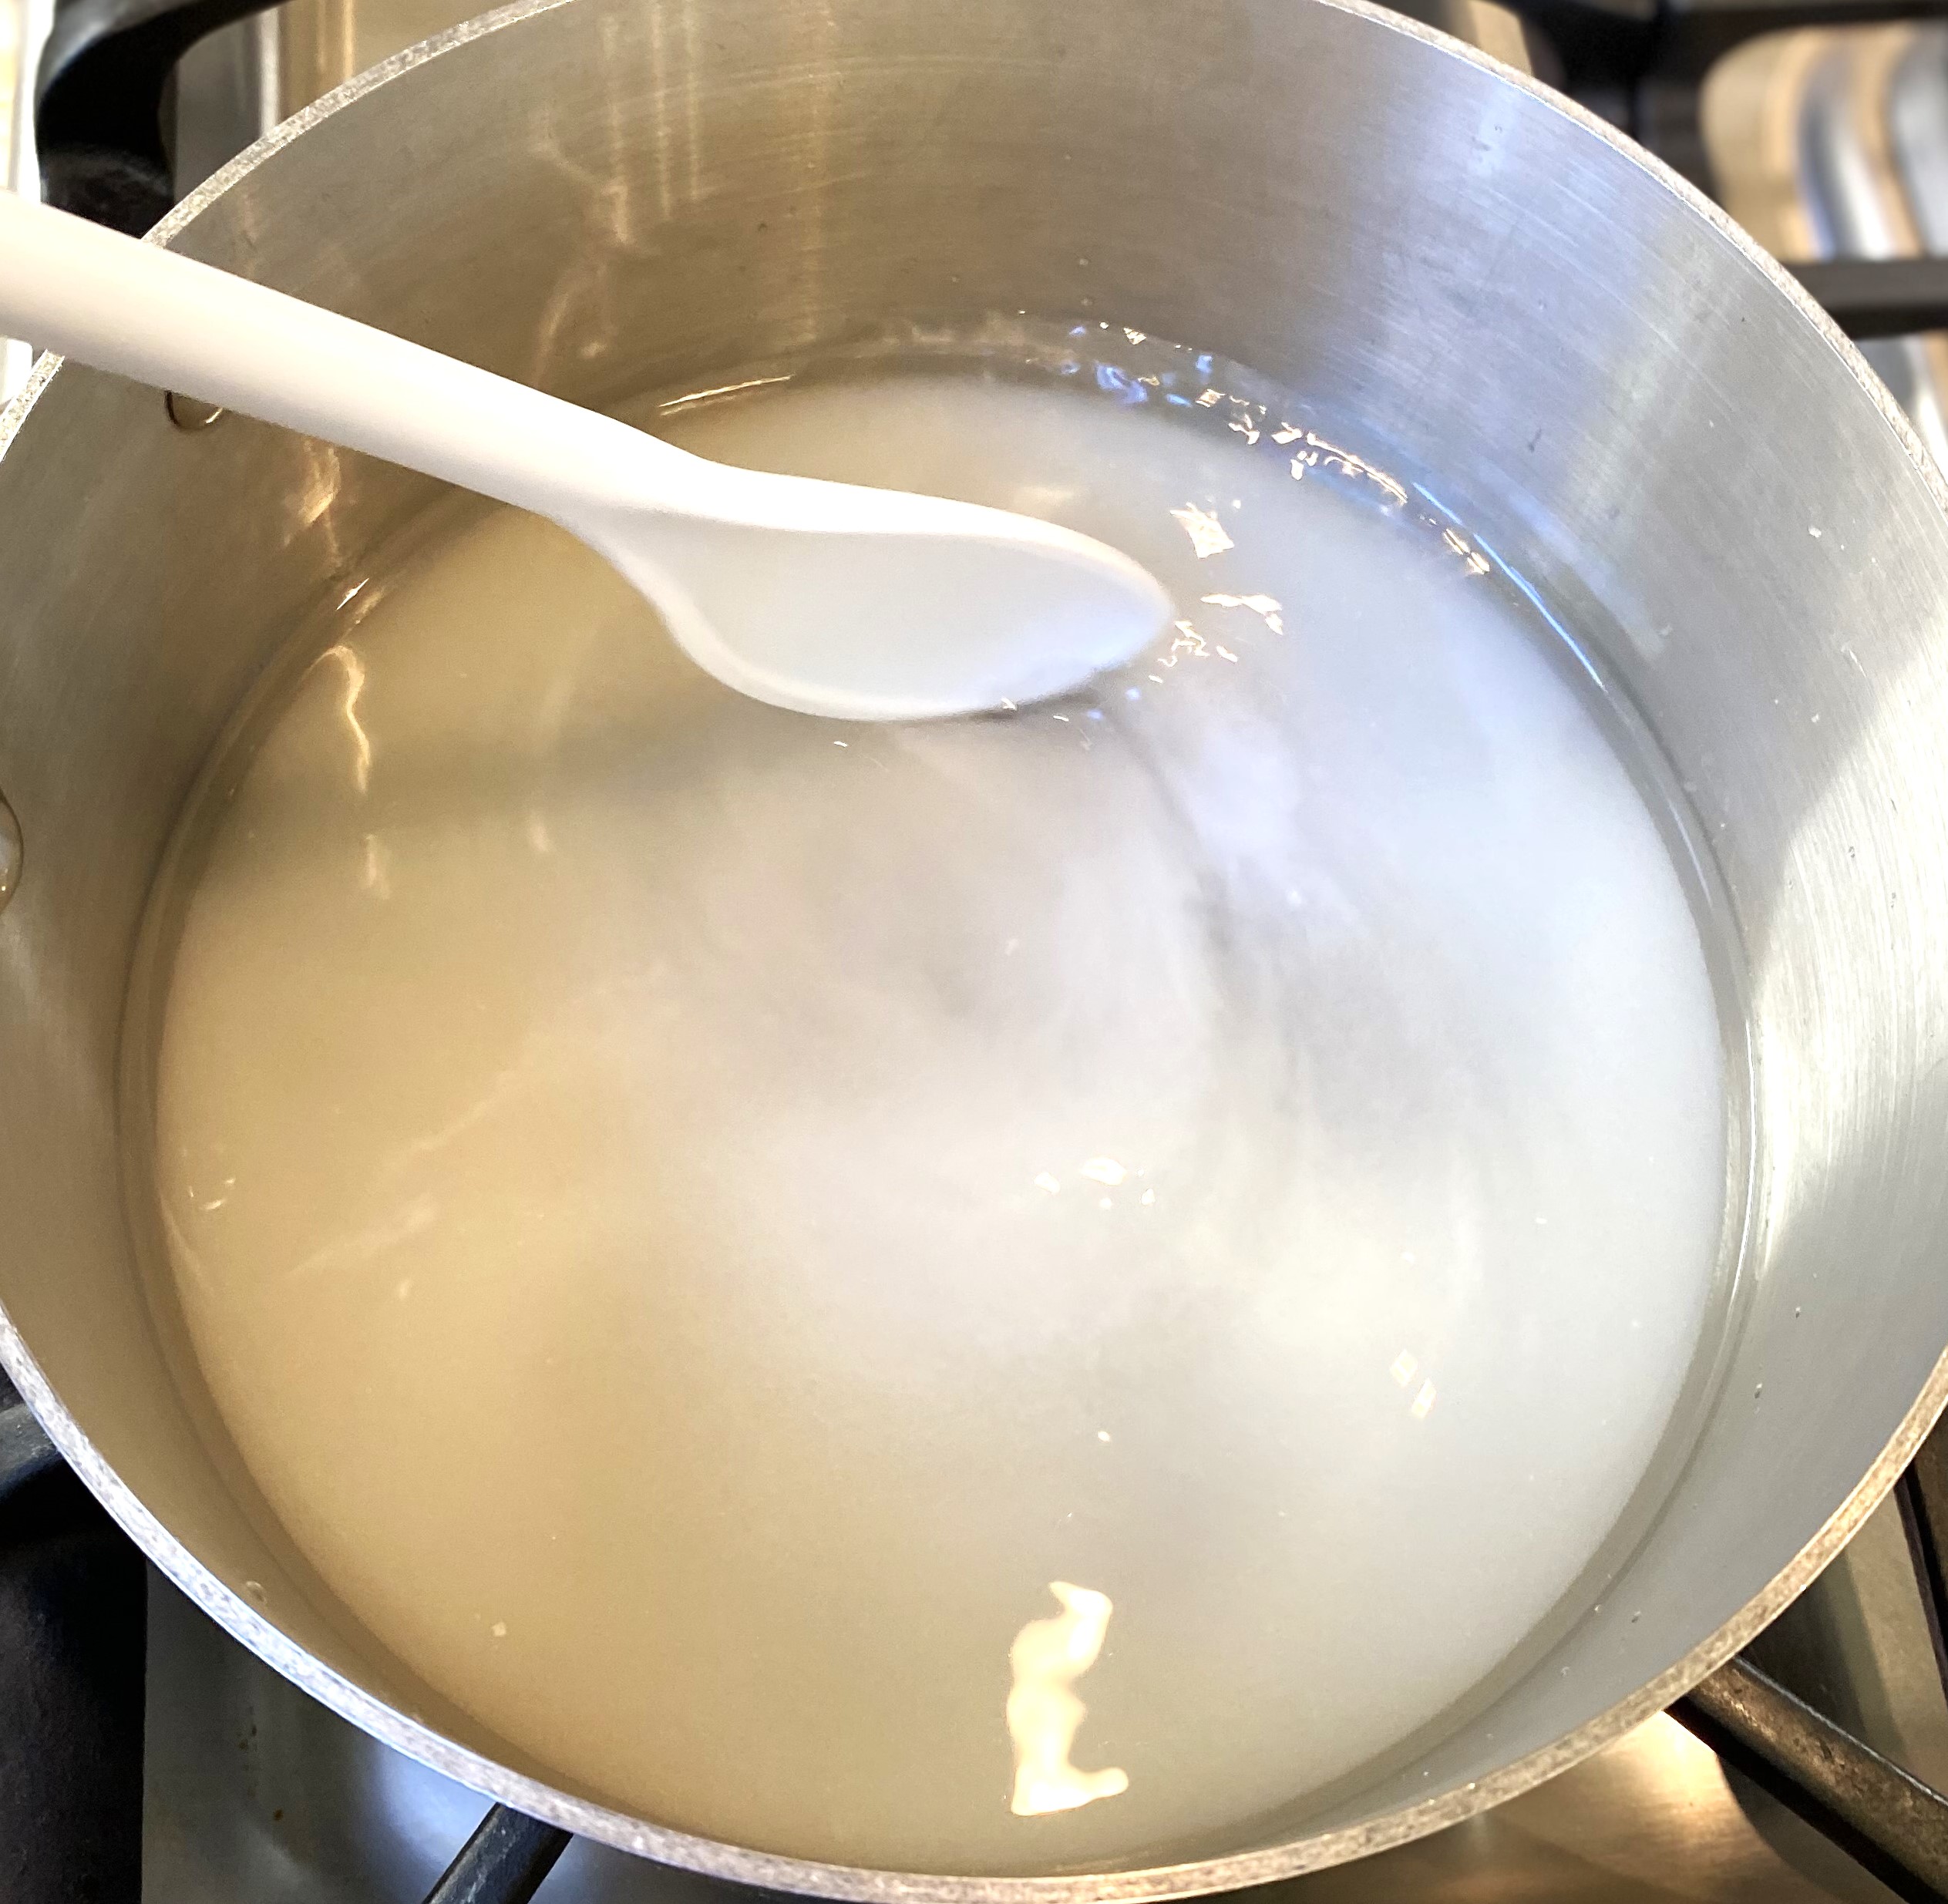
(73, 1631)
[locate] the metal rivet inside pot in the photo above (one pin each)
(10, 852)
(190, 412)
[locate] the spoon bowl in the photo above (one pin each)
(832, 598)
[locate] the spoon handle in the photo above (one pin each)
(152, 315)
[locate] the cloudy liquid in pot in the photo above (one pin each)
(973, 1296)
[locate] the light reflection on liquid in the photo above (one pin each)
(1208, 535)
(1266, 607)
(355, 680)
(1044, 1714)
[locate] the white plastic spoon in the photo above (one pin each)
(868, 604)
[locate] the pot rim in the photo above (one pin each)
(737, 1864)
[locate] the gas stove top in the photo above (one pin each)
(144, 1753)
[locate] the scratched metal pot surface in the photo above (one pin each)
(1645, 409)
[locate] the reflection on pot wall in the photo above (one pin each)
(237, 84)
(249, 76)
(324, 42)
(1829, 142)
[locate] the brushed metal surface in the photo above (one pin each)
(601, 195)
(323, 43)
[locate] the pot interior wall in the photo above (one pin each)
(604, 196)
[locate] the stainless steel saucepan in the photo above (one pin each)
(606, 196)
